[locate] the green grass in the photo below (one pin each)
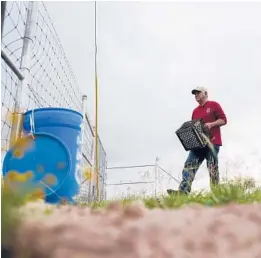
(9, 218)
(237, 190)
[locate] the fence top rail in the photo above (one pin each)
(125, 167)
(12, 65)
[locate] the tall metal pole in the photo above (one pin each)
(25, 70)
(3, 6)
(96, 108)
(27, 52)
(84, 99)
(80, 156)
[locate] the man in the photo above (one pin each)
(214, 117)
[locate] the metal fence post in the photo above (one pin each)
(3, 5)
(25, 70)
(156, 174)
(84, 99)
(95, 186)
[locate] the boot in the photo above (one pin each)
(174, 192)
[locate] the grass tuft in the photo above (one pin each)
(237, 190)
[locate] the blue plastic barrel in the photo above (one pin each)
(34, 164)
(65, 124)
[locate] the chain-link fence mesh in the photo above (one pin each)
(14, 29)
(9, 84)
(139, 181)
(102, 171)
(50, 81)
(12, 44)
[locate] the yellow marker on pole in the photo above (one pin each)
(96, 141)
(96, 113)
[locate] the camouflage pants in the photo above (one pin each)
(192, 164)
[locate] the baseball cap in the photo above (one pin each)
(199, 89)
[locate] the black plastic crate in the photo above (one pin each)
(190, 134)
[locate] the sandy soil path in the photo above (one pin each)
(232, 231)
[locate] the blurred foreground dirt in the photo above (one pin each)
(193, 231)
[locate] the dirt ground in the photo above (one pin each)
(193, 231)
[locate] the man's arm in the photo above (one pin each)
(221, 118)
(220, 115)
(218, 123)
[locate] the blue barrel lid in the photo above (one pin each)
(42, 162)
(53, 109)
(53, 117)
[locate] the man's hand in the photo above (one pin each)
(217, 123)
(209, 125)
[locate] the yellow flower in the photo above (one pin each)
(38, 193)
(87, 173)
(14, 176)
(50, 179)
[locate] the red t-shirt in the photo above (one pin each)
(210, 112)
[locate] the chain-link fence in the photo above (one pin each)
(36, 74)
(11, 51)
(102, 171)
(139, 181)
